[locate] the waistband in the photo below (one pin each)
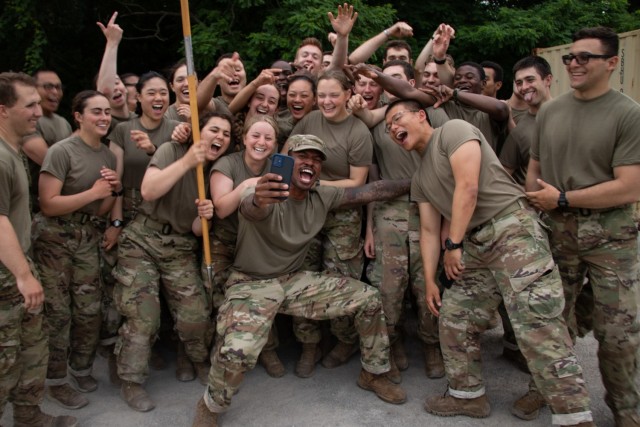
(82, 218)
(132, 193)
(589, 211)
(161, 227)
(511, 208)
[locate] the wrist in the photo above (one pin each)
(450, 245)
(438, 60)
(562, 200)
(386, 33)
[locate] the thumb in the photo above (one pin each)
(542, 183)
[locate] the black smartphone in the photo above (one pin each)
(444, 280)
(283, 166)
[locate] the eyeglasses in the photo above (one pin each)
(397, 116)
(51, 86)
(582, 58)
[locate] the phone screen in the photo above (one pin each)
(283, 166)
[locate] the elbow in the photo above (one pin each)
(147, 193)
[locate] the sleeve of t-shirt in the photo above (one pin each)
(164, 156)
(361, 147)
(534, 151)
(223, 165)
(300, 126)
(332, 196)
(117, 134)
(6, 177)
(56, 162)
(627, 151)
(456, 133)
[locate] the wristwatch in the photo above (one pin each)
(562, 200)
(450, 246)
(117, 193)
(440, 61)
(117, 223)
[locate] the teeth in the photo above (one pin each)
(262, 110)
(307, 170)
(401, 135)
(297, 107)
(215, 144)
(185, 91)
(260, 149)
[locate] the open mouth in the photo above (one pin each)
(401, 136)
(117, 96)
(157, 107)
(262, 110)
(528, 97)
(259, 149)
(306, 175)
(215, 147)
(234, 83)
(466, 88)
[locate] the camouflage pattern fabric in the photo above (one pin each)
(146, 259)
(509, 258)
(398, 263)
(604, 247)
(245, 318)
(24, 350)
(66, 254)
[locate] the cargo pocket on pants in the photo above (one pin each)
(539, 284)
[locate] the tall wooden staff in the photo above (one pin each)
(195, 128)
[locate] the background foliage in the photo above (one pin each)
(62, 34)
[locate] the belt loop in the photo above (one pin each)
(585, 211)
(84, 218)
(166, 229)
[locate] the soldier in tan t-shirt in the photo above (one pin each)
(496, 250)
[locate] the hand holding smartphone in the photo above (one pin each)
(283, 166)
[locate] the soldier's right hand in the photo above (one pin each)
(356, 103)
(101, 189)
(31, 290)
(268, 189)
(433, 299)
(194, 156)
(181, 133)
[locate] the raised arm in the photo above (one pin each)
(342, 25)
(109, 66)
(207, 87)
(398, 30)
(157, 182)
(400, 88)
(242, 98)
(441, 39)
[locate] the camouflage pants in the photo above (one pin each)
(66, 254)
(603, 246)
(149, 263)
(398, 263)
(23, 347)
(509, 259)
(336, 249)
(251, 305)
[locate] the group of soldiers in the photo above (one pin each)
(525, 209)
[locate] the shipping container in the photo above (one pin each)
(624, 79)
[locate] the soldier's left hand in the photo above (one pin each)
(112, 177)
(184, 111)
(268, 189)
(110, 238)
(453, 264)
(545, 199)
(205, 208)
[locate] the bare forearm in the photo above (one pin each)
(252, 211)
(464, 203)
(11, 254)
(157, 182)
(339, 57)
(205, 92)
(495, 108)
(604, 195)
(366, 49)
(108, 69)
(533, 174)
(62, 205)
(375, 191)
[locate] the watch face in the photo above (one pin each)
(116, 223)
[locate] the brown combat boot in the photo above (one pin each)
(184, 368)
(32, 416)
(306, 365)
(528, 406)
(400, 355)
(433, 362)
(629, 420)
(394, 374)
(204, 417)
(382, 387)
(271, 362)
(202, 371)
(65, 396)
(112, 362)
(449, 406)
(136, 396)
(84, 383)
(339, 355)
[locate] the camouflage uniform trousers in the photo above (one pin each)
(111, 319)
(66, 254)
(24, 350)
(223, 246)
(336, 249)
(246, 316)
(508, 258)
(604, 247)
(147, 260)
(398, 263)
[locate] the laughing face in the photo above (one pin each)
(332, 100)
(300, 98)
(154, 98)
(467, 78)
(216, 135)
(260, 141)
(306, 169)
(594, 75)
(180, 85)
(369, 90)
(264, 101)
(310, 57)
(119, 96)
(23, 115)
(533, 88)
(404, 126)
(95, 117)
(50, 90)
(235, 85)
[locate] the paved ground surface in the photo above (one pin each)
(330, 398)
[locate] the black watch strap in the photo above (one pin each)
(450, 245)
(117, 223)
(562, 200)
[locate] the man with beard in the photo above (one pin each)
(273, 239)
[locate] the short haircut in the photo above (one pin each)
(608, 38)
(8, 80)
(174, 69)
(397, 44)
(475, 65)
(497, 70)
(311, 41)
(43, 70)
(307, 77)
(411, 103)
(538, 62)
(408, 68)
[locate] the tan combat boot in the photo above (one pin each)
(204, 417)
(136, 396)
(394, 374)
(202, 371)
(306, 365)
(400, 355)
(382, 387)
(528, 406)
(32, 416)
(65, 396)
(184, 368)
(433, 362)
(84, 383)
(271, 362)
(449, 406)
(339, 355)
